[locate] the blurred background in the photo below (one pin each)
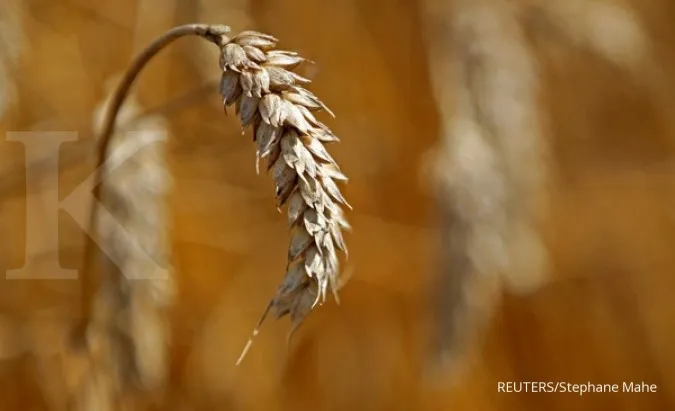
(603, 314)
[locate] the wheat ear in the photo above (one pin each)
(127, 335)
(268, 96)
(492, 169)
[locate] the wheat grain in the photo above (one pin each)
(268, 96)
(240, 15)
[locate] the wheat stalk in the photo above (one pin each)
(492, 168)
(608, 28)
(12, 39)
(268, 96)
(127, 335)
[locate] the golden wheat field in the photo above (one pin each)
(509, 213)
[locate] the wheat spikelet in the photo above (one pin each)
(269, 97)
(124, 336)
(237, 12)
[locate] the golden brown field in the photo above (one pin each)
(604, 315)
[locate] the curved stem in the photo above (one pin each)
(134, 70)
(215, 34)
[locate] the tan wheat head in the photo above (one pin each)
(269, 97)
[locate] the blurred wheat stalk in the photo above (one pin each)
(491, 168)
(493, 163)
(11, 42)
(125, 336)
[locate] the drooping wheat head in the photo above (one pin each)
(269, 97)
(258, 80)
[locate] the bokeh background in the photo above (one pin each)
(604, 315)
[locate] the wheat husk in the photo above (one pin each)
(270, 98)
(126, 339)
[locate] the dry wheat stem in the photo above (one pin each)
(269, 97)
(107, 132)
(11, 181)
